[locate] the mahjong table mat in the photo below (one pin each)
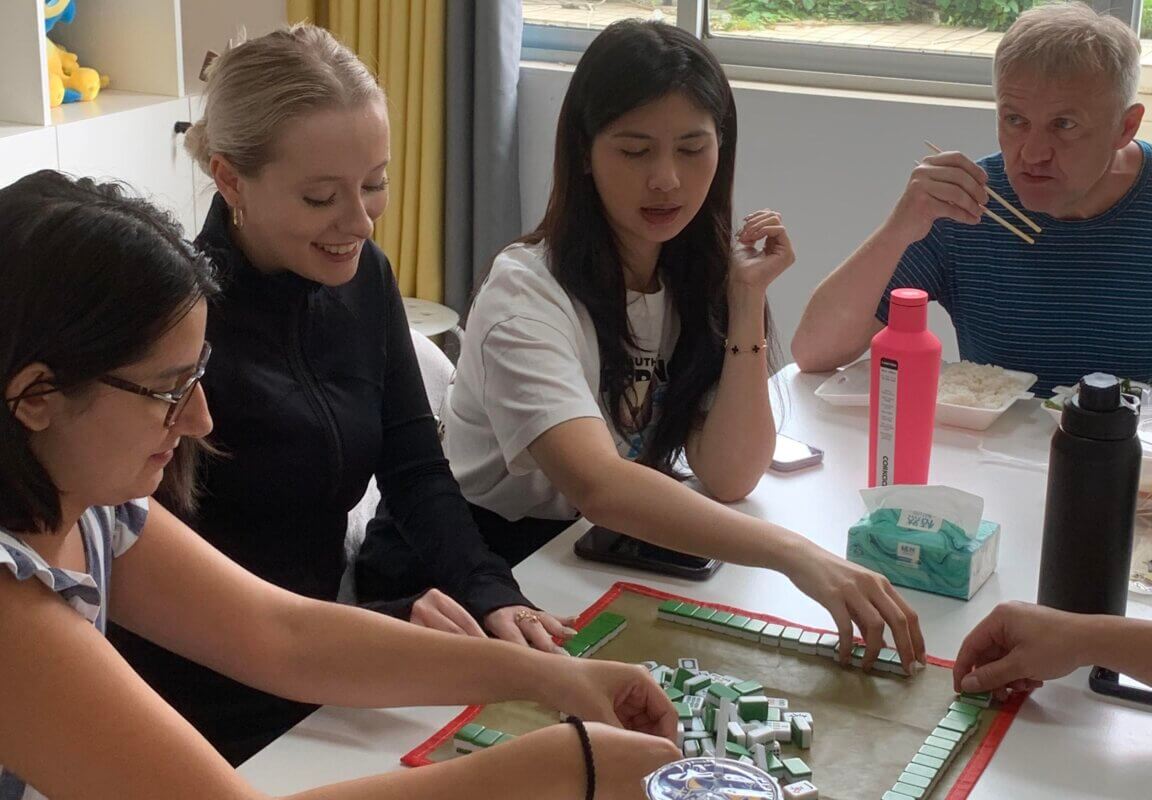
(866, 727)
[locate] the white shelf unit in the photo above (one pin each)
(128, 133)
(136, 42)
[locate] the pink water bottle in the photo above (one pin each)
(905, 375)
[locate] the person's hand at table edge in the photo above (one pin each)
(857, 596)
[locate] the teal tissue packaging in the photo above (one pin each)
(931, 538)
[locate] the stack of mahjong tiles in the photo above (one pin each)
(597, 633)
(473, 737)
(927, 766)
(772, 635)
(729, 716)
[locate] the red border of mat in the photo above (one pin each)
(418, 757)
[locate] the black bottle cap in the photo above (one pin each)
(1100, 410)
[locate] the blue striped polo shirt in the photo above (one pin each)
(1077, 301)
(107, 532)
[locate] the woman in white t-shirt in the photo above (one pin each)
(101, 355)
(631, 329)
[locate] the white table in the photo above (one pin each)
(1066, 742)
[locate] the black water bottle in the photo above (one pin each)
(1093, 475)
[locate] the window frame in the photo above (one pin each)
(855, 66)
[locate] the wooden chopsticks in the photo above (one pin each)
(1018, 214)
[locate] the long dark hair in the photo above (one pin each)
(632, 63)
(90, 279)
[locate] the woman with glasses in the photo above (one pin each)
(101, 354)
(316, 387)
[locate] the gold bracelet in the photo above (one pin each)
(736, 350)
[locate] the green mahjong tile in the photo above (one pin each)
(791, 636)
(719, 691)
(908, 790)
(771, 633)
(888, 656)
(858, 651)
(577, 645)
(810, 638)
(487, 738)
(674, 694)
(982, 699)
(943, 744)
(754, 708)
(681, 676)
(721, 618)
(470, 731)
(505, 737)
(773, 715)
(697, 684)
(670, 606)
(914, 780)
(683, 710)
(829, 640)
(958, 719)
(928, 761)
(709, 717)
(775, 766)
(703, 614)
(737, 622)
(797, 769)
(921, 770)
(736, 750)
(950, 735)
(611, 619)
(748, 687)
(961, 707)
(894, 796)
(935, 752)
(754, 627)
(686, 610)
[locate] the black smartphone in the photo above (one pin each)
(607, 546)
(1107, 682)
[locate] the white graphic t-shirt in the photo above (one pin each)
(644, 398)
(529, 362)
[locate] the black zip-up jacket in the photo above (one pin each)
(312, 390)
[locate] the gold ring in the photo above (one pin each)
(525, 614)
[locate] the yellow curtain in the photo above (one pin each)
(403, 41)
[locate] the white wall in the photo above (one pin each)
(209, 24)
(832, 163)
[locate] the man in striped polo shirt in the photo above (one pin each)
(1077, 301)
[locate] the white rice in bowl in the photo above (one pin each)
(977, 385)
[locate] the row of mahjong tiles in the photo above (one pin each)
(771, 634)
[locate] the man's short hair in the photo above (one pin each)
(1064, 41)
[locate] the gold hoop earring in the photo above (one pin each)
(237, 216)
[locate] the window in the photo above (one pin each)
(941, 41)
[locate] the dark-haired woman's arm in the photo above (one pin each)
(731, 450)
(84, 725)
(580, 459)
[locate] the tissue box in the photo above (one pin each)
(943, 561)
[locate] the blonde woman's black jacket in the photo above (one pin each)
(313, 390)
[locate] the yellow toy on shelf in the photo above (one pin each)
(68, 82)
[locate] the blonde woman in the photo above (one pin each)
(315, 386)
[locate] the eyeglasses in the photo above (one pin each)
(177, 399)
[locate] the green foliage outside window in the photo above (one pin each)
(995, 15)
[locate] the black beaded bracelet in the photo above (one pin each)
(589, 762)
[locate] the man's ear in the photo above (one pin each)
(1131, 120)
(31, 397)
